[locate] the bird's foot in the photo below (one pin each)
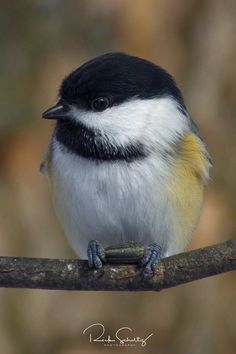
(96, 254)
(151, 257)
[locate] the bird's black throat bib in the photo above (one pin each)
(91, 144)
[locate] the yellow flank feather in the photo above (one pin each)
(189, 174)
(193, 155)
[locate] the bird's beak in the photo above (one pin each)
(56, 112)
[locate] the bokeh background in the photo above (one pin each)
(41, 42)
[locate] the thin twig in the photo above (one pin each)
(73, 274)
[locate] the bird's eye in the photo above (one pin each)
(100, 104)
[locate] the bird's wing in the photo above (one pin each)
(45, 165)
(194, 128)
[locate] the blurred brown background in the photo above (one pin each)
(41, 42)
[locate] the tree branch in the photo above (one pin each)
(73, 274)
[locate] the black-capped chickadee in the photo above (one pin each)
(126, 162)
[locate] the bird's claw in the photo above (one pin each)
(151, 257)
(96, 254)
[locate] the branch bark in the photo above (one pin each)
(73, 274)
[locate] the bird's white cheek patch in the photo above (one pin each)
(150, 120)
(122, 124)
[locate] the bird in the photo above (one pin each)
(126, 162)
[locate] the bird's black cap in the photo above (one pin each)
(114, 78)
(119, 77)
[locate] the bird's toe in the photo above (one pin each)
(96, 254)
(151, 257)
